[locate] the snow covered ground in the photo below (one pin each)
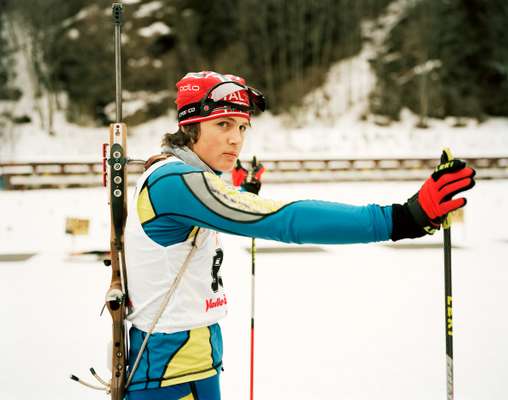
(349, 322)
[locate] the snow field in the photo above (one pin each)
(348, 322)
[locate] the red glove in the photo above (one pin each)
(250, 181)
(426, 210)
(239, 173)
(435, 198)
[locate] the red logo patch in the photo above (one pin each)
(239, 97)
(218, 302)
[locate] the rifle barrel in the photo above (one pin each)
(117, 18)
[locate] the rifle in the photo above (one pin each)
(116, 297)
(115, 166)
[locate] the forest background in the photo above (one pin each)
(441, 58)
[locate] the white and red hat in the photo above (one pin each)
(206, 95)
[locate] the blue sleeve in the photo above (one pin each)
(197, 198)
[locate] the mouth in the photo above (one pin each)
(231, 154)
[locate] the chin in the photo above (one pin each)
(225, 167)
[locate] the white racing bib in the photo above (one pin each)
(199, 299)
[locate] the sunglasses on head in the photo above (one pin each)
(215, 95)
(214, 99)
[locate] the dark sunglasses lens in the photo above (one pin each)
(258, 99)
(216, 95)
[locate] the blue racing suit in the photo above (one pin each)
(176, 198)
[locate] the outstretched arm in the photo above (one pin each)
(203, 199)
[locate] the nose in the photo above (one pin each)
(235, 136)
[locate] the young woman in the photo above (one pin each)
(173, 244)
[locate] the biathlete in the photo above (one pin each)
(181, 205)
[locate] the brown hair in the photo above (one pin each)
(186, 135)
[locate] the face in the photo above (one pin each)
(220, 141)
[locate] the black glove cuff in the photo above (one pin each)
(404, 225)
(416, 211)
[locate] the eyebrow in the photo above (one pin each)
(233, 120)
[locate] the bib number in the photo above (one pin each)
(217, 262)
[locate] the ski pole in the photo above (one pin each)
(446, 156)
(253, 297)
(250, 181)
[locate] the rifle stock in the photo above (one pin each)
(116, 296)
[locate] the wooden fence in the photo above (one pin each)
(43, 175)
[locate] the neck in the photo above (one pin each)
(186, 154)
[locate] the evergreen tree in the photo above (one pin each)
(443, 57)
(459, 52)
(7, 68)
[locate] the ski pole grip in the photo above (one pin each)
(446, 155)
(117, 13)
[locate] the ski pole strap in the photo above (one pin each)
(163, 306)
